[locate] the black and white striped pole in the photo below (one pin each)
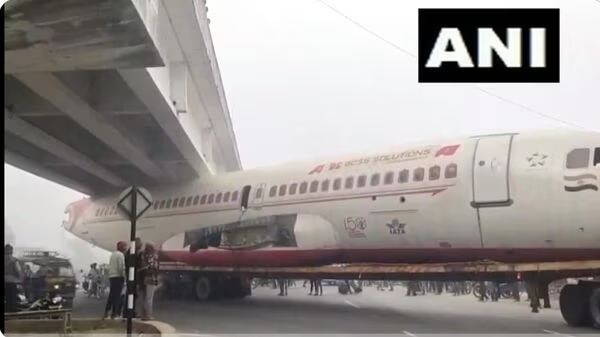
(134, 202)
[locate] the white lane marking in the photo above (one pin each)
(409, 333)
(556, 333)
(352, 304)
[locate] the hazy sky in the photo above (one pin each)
(303, 81)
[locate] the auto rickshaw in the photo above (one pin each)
(47, 274)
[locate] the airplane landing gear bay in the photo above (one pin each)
(580, 304)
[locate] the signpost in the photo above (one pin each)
(134, 202)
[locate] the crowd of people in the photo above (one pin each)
(146, 265)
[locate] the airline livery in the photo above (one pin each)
(530, 196)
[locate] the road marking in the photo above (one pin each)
(409, 333)
(556, 333)
(352, 304)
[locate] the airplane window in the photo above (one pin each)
(282, 190)
(451, 171)
(168, 204)
(203, 200)
(303, 187)
(389, 178)
(314, 186)
(325, 185)
(181, 201)
(162, 204)
(188, 202)
(175, 201)
(375, 179)
(337, 184)
(234, 196)
(597, 156)
(226, 196)
(273, 191)
(196, 199)
(259, 193)
(362, 181)
(219, 197)
(349, 183)
(419, 174)
(403, 176)
(293, 188)
(156, 204)
(578, 158)
(211, 198)
(434, 172)
(98, 212)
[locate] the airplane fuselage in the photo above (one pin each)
(529, 196)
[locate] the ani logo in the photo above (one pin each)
(537, 160)
(355, 227)
(396, 228)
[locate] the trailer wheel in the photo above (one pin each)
(595, 307)
(343, 289)
(202, 288)
(574, 305)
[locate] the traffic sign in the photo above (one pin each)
(142, 204)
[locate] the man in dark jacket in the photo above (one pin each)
(12, 277)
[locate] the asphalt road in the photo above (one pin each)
(371, 312)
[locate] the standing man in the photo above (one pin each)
(116, 275)
(149, 265)
(12, 277)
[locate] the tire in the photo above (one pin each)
(203, 289)
(595, 308)
(574, 305)
(343, 289)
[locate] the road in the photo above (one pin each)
(364, 314)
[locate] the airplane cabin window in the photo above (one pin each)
(273, 191)
(314, 186)
(259, 192)
(156, 204)
(203, 200)
(303, 187)
(375, 179)
(188, 202)
(337, 184)
(419, 174)
(98, 212)
(362, 181)
(282, 190)
(162, 204)
(168, 203)
(325, 185)
(293, 188)
(175, 201)
(219, 196)
(234, 196)
(403, 176)
(451, 171)
(211, 198)
(597, 156)
(349, 183)
(227, 194)
(389, 178)
(578, 158)
(181, 201)
(196, 199)
(434, 172)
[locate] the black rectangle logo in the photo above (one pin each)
(489, 45)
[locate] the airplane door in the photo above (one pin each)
(258, 196)
(490, 171)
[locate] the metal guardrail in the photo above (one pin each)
(65, 314)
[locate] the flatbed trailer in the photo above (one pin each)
(579, 303)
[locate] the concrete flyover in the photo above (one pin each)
(100, 94)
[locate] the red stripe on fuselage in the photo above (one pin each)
(290, 257)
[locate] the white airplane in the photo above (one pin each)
(530, 196)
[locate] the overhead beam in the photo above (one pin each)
(143, 85)
(54, 91)
(56, 113)
(25, 164)
(41, 139)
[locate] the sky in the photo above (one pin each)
(303, 81)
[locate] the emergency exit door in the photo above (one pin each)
(491, 170)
